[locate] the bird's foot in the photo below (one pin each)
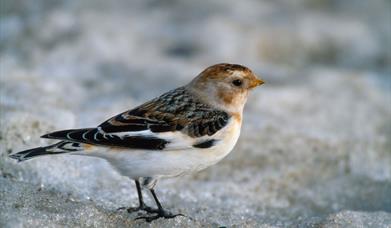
(150, 210)
(160, 214)
(139, 208)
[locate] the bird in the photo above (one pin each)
(180, 132)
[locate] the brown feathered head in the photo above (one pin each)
(225, 85)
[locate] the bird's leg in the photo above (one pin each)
(161, 213)
(142, 206)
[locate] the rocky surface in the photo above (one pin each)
(315, 145)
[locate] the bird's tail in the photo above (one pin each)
(58, 148)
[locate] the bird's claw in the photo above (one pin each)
(139, 208)
(160, 214)
(151, 210)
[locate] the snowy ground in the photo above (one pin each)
(315, 148)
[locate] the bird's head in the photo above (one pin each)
(225, 85)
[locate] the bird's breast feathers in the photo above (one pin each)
(182, 155)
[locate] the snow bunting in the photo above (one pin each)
(184, 130)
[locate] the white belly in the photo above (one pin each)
(158, 164)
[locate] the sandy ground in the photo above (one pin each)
(315, 148)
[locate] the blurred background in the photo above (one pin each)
(315, 148)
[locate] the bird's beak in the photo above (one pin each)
(256, 82)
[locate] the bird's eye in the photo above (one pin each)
(237, 82)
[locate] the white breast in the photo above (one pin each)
(228, 137)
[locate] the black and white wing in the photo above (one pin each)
(172, 121)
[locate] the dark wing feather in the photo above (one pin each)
(95, 137)
(176, 110)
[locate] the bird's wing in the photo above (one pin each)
(95, 136)
(172, 121)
